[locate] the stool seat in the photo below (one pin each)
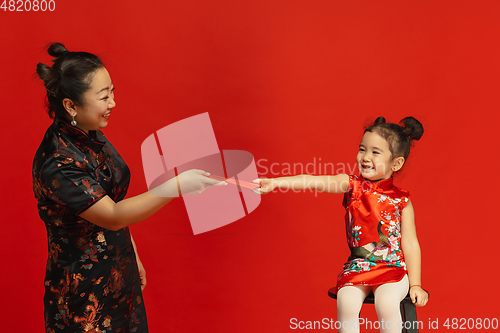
(407, 308)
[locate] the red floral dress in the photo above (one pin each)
(373, 229)
(92, 282)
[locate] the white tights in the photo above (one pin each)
(387, 299)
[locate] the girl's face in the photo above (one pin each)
(98, 103)
(374, 158)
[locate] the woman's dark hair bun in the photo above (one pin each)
(412, 128)
(46, 74)
(69, 77)
(57, 49)
(379, 121)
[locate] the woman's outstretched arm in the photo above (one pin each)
(116, 215)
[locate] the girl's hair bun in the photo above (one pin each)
(57, 49)
(379, 121)
(412, 128)
(399, 137)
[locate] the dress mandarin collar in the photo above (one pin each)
(382, 185)
(81, 138)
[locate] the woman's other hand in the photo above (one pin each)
(142, 274)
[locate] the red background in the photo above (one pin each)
(289, 81)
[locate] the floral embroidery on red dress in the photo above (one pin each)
(373, 230)
(92, 282)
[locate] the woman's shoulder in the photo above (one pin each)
(48, 146)
(55, 151)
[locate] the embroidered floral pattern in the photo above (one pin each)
(373, 228)
(92, 283)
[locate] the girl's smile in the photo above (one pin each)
(374, 157)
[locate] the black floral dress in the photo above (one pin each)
(92, 281)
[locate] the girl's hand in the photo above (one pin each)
(142, 274)
(419, 297)
(266, 185)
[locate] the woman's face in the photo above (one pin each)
(374, 158)
(98, 103)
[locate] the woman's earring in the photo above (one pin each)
(73, 122)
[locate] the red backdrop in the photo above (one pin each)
(291, 82)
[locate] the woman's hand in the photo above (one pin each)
(142, 274)
(419, 297)
(266, 185)
(192, 181)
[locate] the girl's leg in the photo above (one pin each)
(387, 299)
(349, 302)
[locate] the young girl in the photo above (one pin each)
(380, 225)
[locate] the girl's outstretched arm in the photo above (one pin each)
(411, 250)
(327, 184)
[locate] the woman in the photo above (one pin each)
(94, 277)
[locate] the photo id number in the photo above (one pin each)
(28, 5)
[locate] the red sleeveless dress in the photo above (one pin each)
(373, 229)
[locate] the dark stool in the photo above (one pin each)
(407, 308)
